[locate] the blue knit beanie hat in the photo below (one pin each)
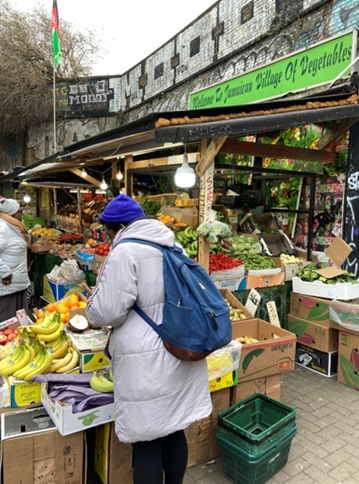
(123, 209)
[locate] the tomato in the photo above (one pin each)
(100, 251)
(105, 253)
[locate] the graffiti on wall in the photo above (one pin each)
(93, 96)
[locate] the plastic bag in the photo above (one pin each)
(68, 271)
(224, 360)
(214, 230)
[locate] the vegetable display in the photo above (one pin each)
(221, 262)
(150, 207)
(309, 274)
(257, 262)
(245, 244)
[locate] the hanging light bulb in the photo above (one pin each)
(103, 185)
(119, 175)
(26, 198)
(84, 173)
(185, 176)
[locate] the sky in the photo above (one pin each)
(133, 28)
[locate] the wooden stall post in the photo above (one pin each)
(128, 178)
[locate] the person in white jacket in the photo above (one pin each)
(14, 242)
(156, 395)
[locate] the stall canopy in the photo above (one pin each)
(220, 126)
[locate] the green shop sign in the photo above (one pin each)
(310, 67)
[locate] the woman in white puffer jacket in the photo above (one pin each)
(14, 278)
(156, 395)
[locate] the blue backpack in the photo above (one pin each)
(196, 318)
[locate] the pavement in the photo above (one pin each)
(325, 449)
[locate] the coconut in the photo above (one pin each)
(78, 323)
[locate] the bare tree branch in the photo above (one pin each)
(26, 61)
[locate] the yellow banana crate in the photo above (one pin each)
(23, 393)
(93, 361)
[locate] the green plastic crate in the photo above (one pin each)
(256, 423)
(241, 468)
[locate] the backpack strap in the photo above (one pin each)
(135, 307)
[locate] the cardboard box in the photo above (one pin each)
(54, 292)
(312, 308)
(348, 364)
(202, 435)
(312, 334)
(98, 259)
(276, 244)
(268, 385)
(68, 422)
(343, 291)
(291, 269)
(266, 277)
(112, 459)
(230, 279)
(273, 354)
(23, 393)
(34, 451)
(90, 344)
(226, 381)
(188, 215)
(253, 222)
(234, 302)
(93, 360)
(326, 364)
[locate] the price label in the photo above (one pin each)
(253, 301)
(272, 313)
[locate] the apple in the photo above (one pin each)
(11, 337)
(3, 339)
(16, 332)
(8, 331)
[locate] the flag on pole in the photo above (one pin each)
(56, 38)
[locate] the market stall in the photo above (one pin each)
(240, 257)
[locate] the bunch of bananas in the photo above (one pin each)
(188, 238)
(42, 347)
(246, 340)
(39, 364)
(67, 363)
(21, 356)
(100, 383)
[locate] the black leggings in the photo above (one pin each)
(166, 455)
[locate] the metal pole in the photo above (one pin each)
(55, 206)
(54, 96)
(79, 209)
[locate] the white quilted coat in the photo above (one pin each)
(155, 393)
(13, 259)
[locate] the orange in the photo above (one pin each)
(51, 308)
(62, 309)
(82, 304)
(40, 314)
(65, 318)
(74, 297)
(73, 302)
(64, 302)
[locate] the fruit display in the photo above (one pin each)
(188, 238)
(290, 259)
(63, 306)
(166, 219)
(308, 274)
(256, 262)
(246, 340)
(102, 248)
(235, 313)
(8, 335)
(101, 382)
(44, 232)
(40, 348)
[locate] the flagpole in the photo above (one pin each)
(54, 85)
